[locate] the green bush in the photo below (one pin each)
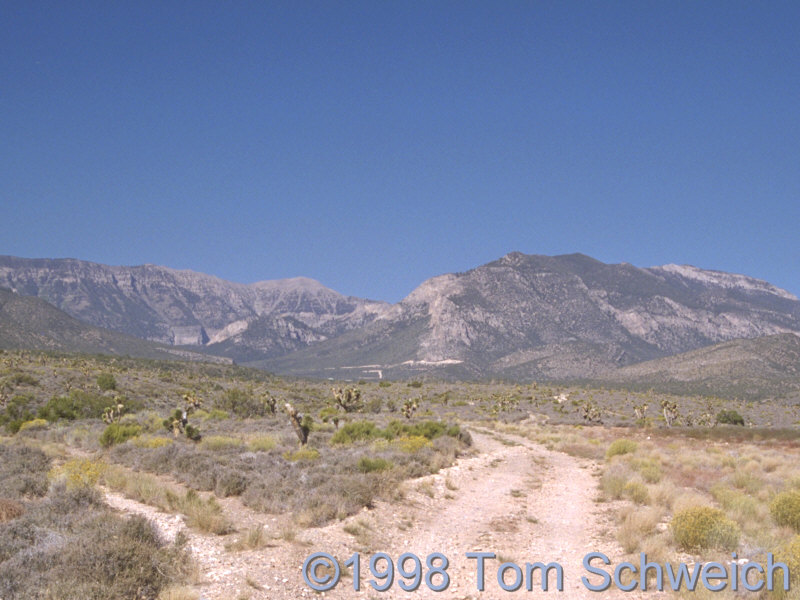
(241, 403)
(789, 554)
(79, 405)
(619, 447)
(702, 527)
(106, 382)
(17, 411)
(364, 431)
(637, 491)
(785, 509)
(729, 417)
(359, 431)
(426, 429)
(117, 433)
(373, 465)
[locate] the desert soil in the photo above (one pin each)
(512, 497)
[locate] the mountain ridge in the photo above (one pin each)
(522, 316)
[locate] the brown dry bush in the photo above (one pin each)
(23, 471)
(70, 545)
(10, 509)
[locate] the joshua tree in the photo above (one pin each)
(670, 410)
(348, 399)
(409, 407)
(270, 402)
(591, 412)
(302, 425)
(112, 414)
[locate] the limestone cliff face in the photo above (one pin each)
(185, 307)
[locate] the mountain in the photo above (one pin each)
(750, 369)
(542, 317)
(243, 322)
(521, 317)
(33, 324)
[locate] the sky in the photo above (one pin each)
(372, 145)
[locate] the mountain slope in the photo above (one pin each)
(188, 308)
(768, 366)
(33, 324)
(553, 317)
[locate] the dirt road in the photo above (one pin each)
(513, 498)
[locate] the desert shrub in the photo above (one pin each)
(10, 509)
(412, 444)
(24, 379)
(649, 469)
(23, 471)
(18, 410)
(785, 509)
(426, 429)
(789, 553)
(635, 526)
(619, 447)
(151, 441)
(304, 453)
(87, 553)
(33, 425)
(106, 382)
(729, 417)
(262, 443)
(241, 403)
(221, 442)
(743, 508)
(636, 491)
(702, 527)
(78, 405)
(372, 465)
(116, 433)
(358, 431)
(230, 483)
(202, 514)
(374, 405)
(614, 480)
(79, 473)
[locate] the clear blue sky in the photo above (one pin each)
(373, 145)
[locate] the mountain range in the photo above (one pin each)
(521, 316)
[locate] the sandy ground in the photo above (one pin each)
(512, 498)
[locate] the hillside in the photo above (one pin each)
(33, 324)
(188, 308)
(746, 368)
